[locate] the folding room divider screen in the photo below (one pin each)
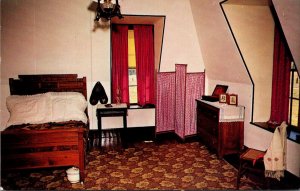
(176, 100)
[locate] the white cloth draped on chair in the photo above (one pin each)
(275, 157)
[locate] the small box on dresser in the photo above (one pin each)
(220, 127)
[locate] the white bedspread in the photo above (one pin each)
(45, 108)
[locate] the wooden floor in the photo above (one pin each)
(111, 139)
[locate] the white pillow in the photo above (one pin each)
(45, 108)
(27, 109)
(67, 106)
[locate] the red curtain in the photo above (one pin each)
(120, 64)
(144, 47)
(281, 80)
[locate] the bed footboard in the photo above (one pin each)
(43, 149)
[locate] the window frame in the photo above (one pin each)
(131, 27)
(291, 96)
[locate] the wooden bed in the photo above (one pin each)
(64, 145)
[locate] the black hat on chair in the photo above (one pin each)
(98, 94)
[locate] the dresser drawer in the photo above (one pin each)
(208, 118)
(208, 124)
(208, 111)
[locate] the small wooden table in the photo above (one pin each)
(116, 110)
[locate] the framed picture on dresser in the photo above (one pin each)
(223, 98)
(232, 99)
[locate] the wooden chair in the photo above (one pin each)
(247, 165)
(252, 160)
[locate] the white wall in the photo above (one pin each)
(253, 28)
(41, 37)
(221, 57)
(179, 43)
(57, 37)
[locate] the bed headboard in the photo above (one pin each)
(42, 83)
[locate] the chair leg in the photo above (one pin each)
(238, 180)
(267, 182)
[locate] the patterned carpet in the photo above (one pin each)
(143, 166)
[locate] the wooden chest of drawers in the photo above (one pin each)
(222, 136)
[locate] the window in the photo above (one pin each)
(132, 68)
(294, 97)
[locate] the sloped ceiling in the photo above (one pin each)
(220, 54)
(288, 12)
(248, 2)
(221, 57)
